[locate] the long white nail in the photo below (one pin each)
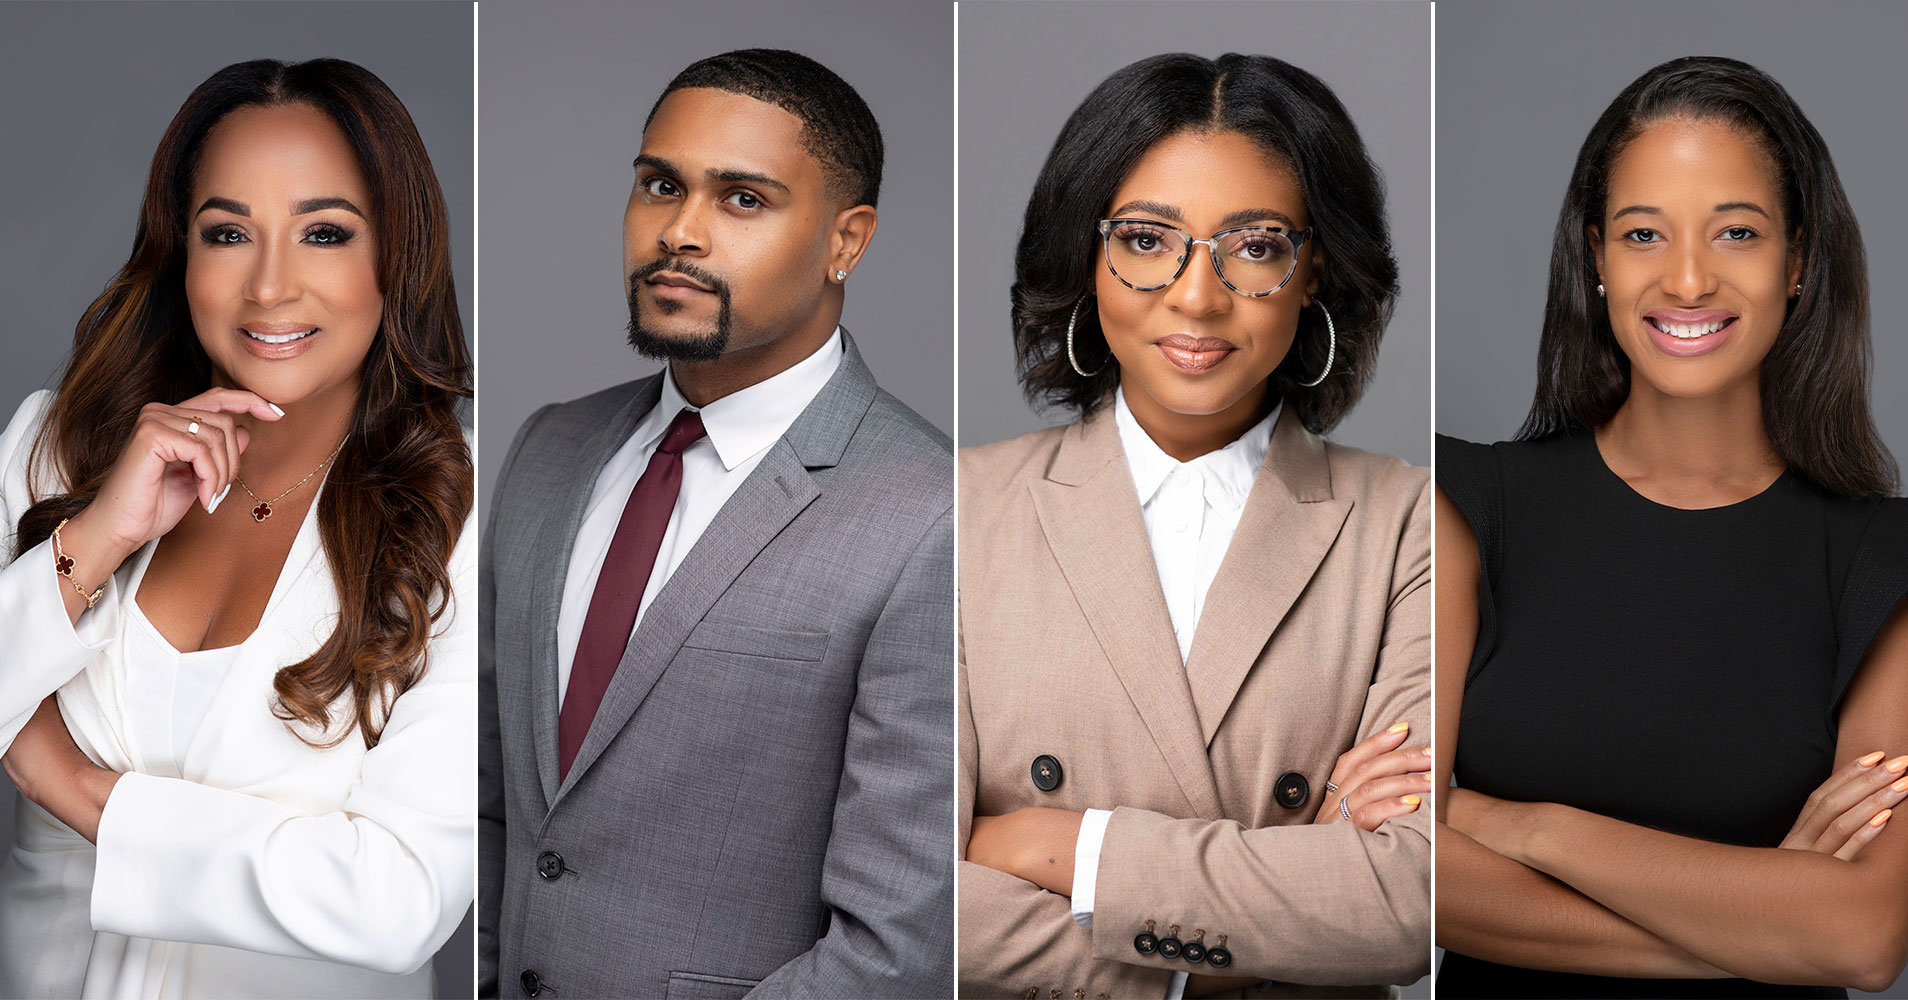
(213, 507)
(276, 410)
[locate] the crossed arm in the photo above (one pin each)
(1547, 886)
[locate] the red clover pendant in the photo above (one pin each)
(262, 511)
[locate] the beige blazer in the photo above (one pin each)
(1314, 635)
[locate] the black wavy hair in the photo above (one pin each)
(1287, 112)
(1815, 378)
(838, 130)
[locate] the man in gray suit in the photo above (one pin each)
(717, 641)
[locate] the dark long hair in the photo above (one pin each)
(1293, 117)
(397, 496)
(1815, 379)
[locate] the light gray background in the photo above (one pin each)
(86, 91)
(1513, 106)
(1512, 114)
(1024, 67)
(564, 93)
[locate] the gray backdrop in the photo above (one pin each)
(86, 90)
(1024, 67)
(564, 92)
(1512, 109)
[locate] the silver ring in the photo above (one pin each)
(193, 427)
(1330, 788)
(1344, 808)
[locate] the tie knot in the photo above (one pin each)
(683, 431)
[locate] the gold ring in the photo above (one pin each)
(193, 427)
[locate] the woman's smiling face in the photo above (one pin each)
(1695, 257)
(1196, 348)
(281, 262)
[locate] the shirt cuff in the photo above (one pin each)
(1176, 990)
(1086, 863)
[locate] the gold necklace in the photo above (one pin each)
(264, 508)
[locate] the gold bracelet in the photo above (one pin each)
(63, 564)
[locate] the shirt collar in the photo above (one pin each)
(744, 423)
(1226, 475)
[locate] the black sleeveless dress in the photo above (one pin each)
(1624, 646)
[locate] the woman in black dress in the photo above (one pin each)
(1684, 722)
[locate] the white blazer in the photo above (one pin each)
(269, 868)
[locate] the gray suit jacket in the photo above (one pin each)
(762, 804)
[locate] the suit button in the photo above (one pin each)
(1170, 947)
(532, 983)
(1145, 943)
(1218, 958)
(1047, 773)
(1291, 790)
(1194, 952)
(550, 865)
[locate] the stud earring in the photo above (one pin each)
(841, 275)
(1599, 289)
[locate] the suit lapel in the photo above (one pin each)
(1289, 523)
(1091, 516)
(772, 495)
(580, 460)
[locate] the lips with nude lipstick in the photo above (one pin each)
(1687, 333)
(1194, 354)
(277, 340)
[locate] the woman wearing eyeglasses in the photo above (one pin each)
(1194, 635)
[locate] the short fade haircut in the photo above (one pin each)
(838, 130)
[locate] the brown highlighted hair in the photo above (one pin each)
(1815, 379)
(396, 498)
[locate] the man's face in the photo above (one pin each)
(725, 239)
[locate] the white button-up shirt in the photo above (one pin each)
(1191, 510)
(741, 426)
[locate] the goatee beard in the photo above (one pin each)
(707, 346)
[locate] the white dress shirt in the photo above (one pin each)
(741, 426)
(1191, 510)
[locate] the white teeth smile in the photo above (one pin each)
(1690, 331)
(280, 338)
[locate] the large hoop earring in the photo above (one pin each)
(1331, 349)
(1071, 359)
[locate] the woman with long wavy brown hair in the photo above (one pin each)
(259, 710)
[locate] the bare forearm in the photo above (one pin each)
(1792, 916)
(1496, 909)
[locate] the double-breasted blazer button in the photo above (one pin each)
(1291, 790)
(1046, 772)
(550, 864)
(532, 983)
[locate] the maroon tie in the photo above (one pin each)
(619, 588)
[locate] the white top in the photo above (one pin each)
(168, 692)
(741, 426)
(1191, 510)
(234, 859)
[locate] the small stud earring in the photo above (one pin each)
(1599, 289)
(1798, 288)
(841, 275)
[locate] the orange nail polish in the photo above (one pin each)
(1427, 751)
(1898, 765)
(1881, 817)
(1400, 728)
(1899, 786)
(1872, 759)
(1413, 800)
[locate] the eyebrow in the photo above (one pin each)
(305, 207)
(730, 176)
(1728, 206)
(1172, 214)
